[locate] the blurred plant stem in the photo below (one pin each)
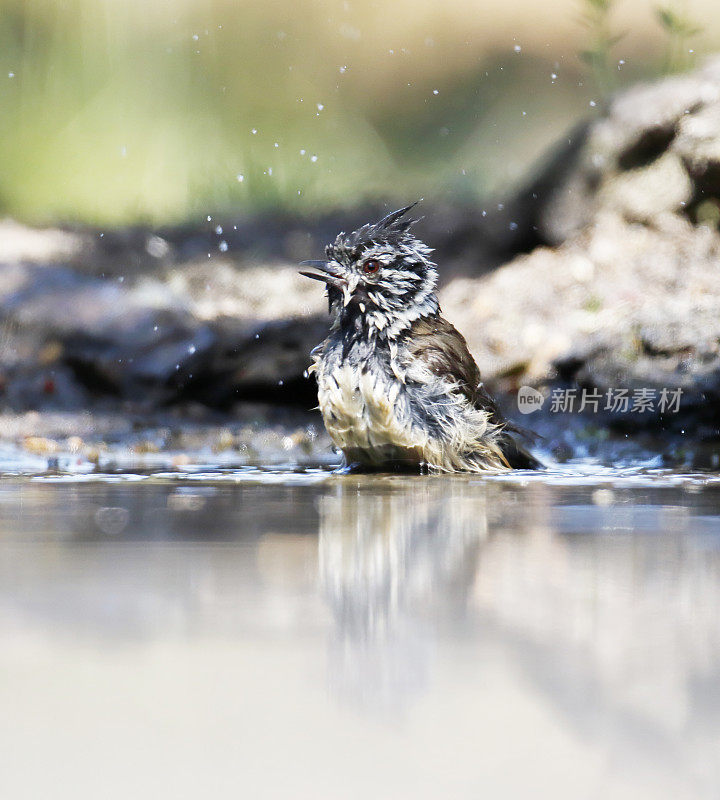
(679, 28)
(601, 40)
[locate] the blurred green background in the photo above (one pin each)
(123, 111)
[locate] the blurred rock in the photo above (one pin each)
(19, 243)
(69, 337)
(619, 305)
(653, 151)
(626, 292)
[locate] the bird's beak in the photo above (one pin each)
(327, 272)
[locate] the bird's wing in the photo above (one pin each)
(438, 345)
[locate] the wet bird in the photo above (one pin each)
(397, 386)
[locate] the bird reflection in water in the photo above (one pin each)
(396, 558)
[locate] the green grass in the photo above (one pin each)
(116, 112)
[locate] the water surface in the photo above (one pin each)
(293, 633)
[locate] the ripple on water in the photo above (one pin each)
(580, 474)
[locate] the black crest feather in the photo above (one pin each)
(392, 220)
(391, 229)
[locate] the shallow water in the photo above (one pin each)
(294, 633)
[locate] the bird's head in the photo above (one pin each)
(380, 271)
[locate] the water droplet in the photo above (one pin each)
(195, 37)
(209, 218)
(593, 104)
(240, 178)
(435, 91)
(553, 75)
(223, 246)
(191, 349)
(517, 48)
(11, 74)
(313, 159)
(277, 144)
(219, 230)
(320, 106)
(302, 152)
(253, 131)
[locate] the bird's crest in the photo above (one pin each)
(392, 229)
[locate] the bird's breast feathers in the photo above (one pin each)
(374, 417)
(364, 410)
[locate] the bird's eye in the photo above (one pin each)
(371, 266)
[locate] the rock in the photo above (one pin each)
(615, 282)
(626, 291)
(215, 332)
(652, 152)
(19, 243)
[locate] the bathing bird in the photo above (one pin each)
(397, 386)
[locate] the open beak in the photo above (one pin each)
(326, 273)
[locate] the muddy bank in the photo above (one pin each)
(187, 438)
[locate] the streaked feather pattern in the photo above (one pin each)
(396, 382)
